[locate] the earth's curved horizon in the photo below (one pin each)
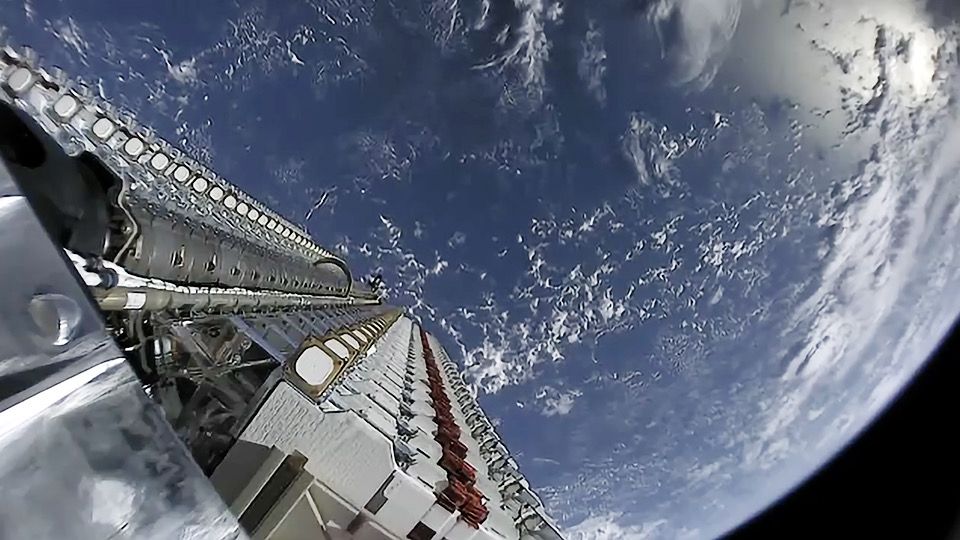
(685, 249)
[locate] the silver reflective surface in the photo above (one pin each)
(83, 452)
(56, 318)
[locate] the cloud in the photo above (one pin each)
(556, 402)
(388, 153)
(592, 64)
(608, 527)
(184, 72)
(405, 274)
(573, 292)
(482, 18)
(489, 365)
(458, 239)
(527, 48)
(293, 56)
(68, 32)
(652, 150)
(890, 215)
(694, 36)
(839, 277)
(438, 267)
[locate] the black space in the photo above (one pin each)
(900, 479)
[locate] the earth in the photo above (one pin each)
(685, 250)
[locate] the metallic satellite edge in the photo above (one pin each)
(189, 363)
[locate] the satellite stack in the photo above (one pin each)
(178, 359)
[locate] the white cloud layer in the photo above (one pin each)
(694, 35)
(609, 526)
(592, 64)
